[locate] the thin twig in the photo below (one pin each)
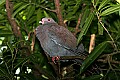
(33, 42)
(111, 54)
(15, 27)
(78, 24)
(92, 43)
(105, 61)
(58, 12)
(48, 9)
(110, 59)
(114, 69)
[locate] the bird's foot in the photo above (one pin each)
(55, 58)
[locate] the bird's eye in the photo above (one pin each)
(48, 19)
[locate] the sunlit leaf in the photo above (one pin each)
(110, 10)
(19, 9)
(46, 14)
(118, 1)
(95, 2)
(2, 27)
(103, 3)
(2, 2)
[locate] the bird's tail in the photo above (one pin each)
(93, 68)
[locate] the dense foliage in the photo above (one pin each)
(21, 56)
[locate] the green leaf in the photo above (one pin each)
(5, 32)
(22, 61)
(118, 1)
(104, 2)
(46, 14)
(84, 17)
(100, 29)
(95, 2)
(4, 72)
(104, 8)
(110, 10)
(2, 27)
(31, 20)
(85, 27)
(1, 17)
(19, 9)
(17, 5)
(11, 47)
(76, 7)
(30, 11)
(39, 15)
(93, 55)
(2, 2)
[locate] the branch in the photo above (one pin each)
(15, 27)
(92, 43)
(111, 54)
(108, 58)
(78, 24)
(48, 9)
(58, 12)
(17, 33)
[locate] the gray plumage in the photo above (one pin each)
(59, 41)
(56, 40)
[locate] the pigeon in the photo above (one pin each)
(58, 41)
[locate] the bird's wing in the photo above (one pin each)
(62, 37)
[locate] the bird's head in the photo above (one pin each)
(47, 20)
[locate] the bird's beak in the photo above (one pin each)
(40, 22)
